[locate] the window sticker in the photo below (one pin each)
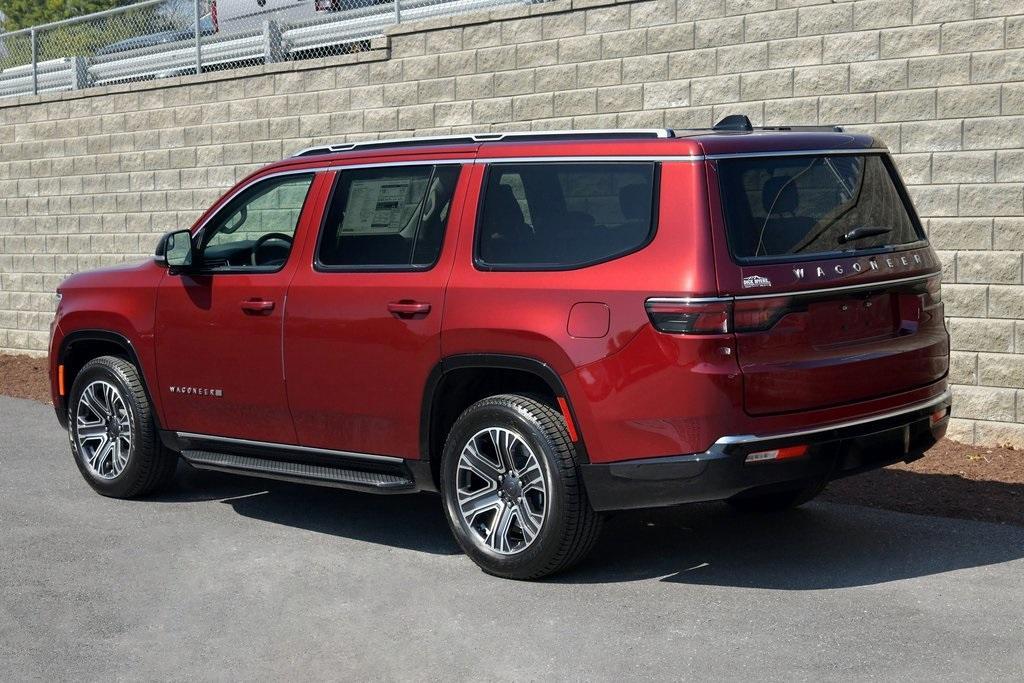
(378, 207)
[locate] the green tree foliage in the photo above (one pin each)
(81, 38)
(26, 13)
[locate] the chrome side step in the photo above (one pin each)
(306, 473)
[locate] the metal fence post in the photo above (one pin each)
(398, 12)
(35, 63)
(199, 41)
(272, 42)
(79, 73)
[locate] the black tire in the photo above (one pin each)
(150, 466)
(778, 501)
(570, 526)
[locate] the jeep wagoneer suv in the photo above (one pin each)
(540, 326)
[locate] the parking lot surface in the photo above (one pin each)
(238, 578)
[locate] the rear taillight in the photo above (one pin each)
(752, 315)
(690, 316)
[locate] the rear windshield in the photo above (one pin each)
(777, 207)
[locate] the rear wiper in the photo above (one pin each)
(862, 232)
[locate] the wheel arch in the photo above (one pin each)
(79, 347)
(458, 381)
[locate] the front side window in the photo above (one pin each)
(554, 215)
(789, 207)
(256, 229)
(388, 218)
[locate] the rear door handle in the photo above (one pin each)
(408, 309)
(258, 306)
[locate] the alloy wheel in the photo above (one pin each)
(502, 494)
(103, 429)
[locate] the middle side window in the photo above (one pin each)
(390, 218)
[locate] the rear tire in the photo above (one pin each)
(779, 501)
(512, 491)
(113, 431)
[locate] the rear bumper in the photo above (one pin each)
(721, 472)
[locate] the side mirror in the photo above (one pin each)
(175, 249)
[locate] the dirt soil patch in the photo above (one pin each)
(24, 377)
(951, 480)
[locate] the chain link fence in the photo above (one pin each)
(167, 38)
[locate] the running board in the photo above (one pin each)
(305, 473)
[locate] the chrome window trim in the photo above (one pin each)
(289, 447)
(796, 153)
(725, 441)
(844, 288)
(337, 166)
(822, 290)
(239, 190)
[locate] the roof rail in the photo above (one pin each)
(526, 136)
(740, 123)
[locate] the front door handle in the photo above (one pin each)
(408, 309)
(258, 306)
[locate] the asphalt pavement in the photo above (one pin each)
(231, 578)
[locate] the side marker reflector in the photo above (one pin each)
(60, 380)
(777, 454)
(569, 426)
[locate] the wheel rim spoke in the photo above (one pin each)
(103, 429)
(478, 502)
(91, 432)
(501, 490)
(474, 460)
(529, 521)
(503, 441)
(531, 477)
(498, 538)
(91, 401)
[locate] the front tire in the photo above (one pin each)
(512, 490)
(113, 431)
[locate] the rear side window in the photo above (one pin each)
(389, 218)
(779, 207)
(552, 216)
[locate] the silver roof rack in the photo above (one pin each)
(525, 136)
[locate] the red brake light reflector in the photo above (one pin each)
(777, 454)
(570, 427)
(690, 316)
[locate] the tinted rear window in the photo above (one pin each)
(564, 215)
(793, 206)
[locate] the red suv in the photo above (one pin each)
(540, 326)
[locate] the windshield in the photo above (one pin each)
(811, 205)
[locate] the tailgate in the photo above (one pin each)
(829, 348)
(836, 290)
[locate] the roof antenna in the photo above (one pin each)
(735, 122)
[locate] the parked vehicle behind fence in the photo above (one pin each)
(542, 327)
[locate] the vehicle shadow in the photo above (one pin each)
(821, 546)
(414, 522)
